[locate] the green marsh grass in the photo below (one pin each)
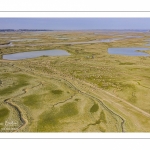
(52, 107)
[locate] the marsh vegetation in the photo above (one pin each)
(89, 90)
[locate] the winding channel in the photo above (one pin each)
(71, 85)
(21, 118)
(102, 104)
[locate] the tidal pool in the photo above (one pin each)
(128, 51)
(33, 54)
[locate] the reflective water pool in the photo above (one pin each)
(32, 54)
(128, 51)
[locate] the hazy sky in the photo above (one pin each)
(74, 23)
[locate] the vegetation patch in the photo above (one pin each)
(132, 98)
(50, 121)
(126, 63)
(4, 113)
(57, 91)
(94, 108)
(22, 80)
(32, 101)
(77, 99)
(103, 117)
(52, 104)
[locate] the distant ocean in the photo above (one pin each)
(125, 30)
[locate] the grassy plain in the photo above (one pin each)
(88, 91)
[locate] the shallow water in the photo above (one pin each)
(128, 51)
(33, 54)
(23, 40)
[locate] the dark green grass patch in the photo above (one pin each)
(126, 63)
(77, 99)
(4, 112)
(67, 110)
(32, 101)
(57, 91)
(50, 120)
(22, 80)
(94, 108)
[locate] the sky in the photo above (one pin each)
(75, 23)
